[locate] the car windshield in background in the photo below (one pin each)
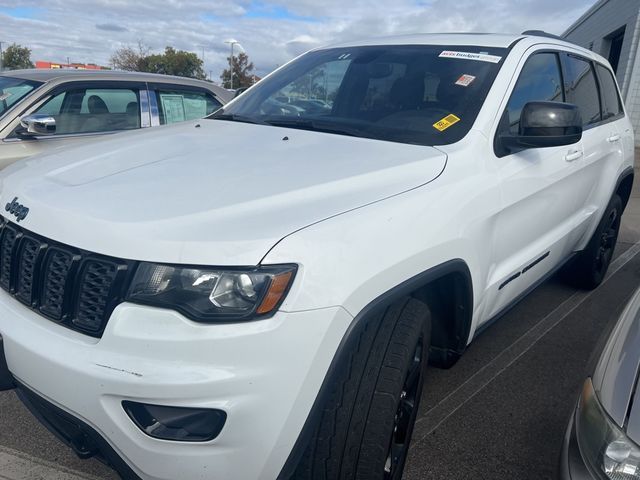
(419, 94)
(12, 90)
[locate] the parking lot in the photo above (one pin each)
(500, 412)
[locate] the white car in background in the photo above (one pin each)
(45, 109)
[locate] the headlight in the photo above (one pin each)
(210, 295)
(604, 446)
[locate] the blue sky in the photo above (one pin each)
(270, 32)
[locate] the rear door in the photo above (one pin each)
(613, 112)
(600, 138)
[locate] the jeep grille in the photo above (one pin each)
(73, 287)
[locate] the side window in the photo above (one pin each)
(181, 105)
(108, 100)
(93, 110)
(539, 81)
(581, 88)
(53, 106)
(611, 104)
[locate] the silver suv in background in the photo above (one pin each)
(603, 436)
(43, 109)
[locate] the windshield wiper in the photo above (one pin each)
(318, 126)
(238, 118)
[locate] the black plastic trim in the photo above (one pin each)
(627, 172)
(535, 262)
(6, 379)
(509, 280)
(457, 266)
(526, 292)
(95, 445)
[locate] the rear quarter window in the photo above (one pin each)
(611, 103)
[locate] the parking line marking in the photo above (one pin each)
(16, 465)
(445, 408)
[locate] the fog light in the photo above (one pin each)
(179, 424)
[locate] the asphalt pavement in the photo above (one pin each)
(499, 413)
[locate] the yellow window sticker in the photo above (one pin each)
(446, 122)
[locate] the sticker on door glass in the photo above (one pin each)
(465, 80)
(480, 57)
(446, 122)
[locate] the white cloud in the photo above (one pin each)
(271, 33)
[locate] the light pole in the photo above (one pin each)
(231, 43)
(1, 64)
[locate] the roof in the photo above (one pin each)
(62, 75)
(485, 39)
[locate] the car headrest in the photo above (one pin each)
(97, 105)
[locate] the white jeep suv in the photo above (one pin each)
(255, 295)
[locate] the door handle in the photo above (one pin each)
(613, 138)
(572, 156)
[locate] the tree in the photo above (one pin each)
(16, 57)
(242, 76)
(127, 58)
(174, 62)
(171, 62)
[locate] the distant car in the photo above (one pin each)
(44, 109)
(603, 437)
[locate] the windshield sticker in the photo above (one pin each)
(481, 57)
(5, 95)
(446, 122)
(465, 80)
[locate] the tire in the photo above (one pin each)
(590, 267)
(374, 400)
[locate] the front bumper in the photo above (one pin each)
(572, 465)
(265, 375)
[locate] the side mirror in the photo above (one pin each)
(546, 124)
(36, 125)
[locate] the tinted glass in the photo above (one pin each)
(93, 110)
(12, 90)
(581, 88)
(539, 81)
(180, 105)
(420, 94)
(611, 104)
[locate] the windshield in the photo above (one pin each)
(12, 90)
(419, 94)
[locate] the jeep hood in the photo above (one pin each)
(211, 192)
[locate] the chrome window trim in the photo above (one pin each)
(153, 103)
(145, 112)
(66, 135)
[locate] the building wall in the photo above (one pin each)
(591, 31)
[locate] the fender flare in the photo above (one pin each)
(626, 173)
(455, 266)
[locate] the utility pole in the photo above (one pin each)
(231, 43)
(1, 64)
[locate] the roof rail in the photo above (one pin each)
(541, 33)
